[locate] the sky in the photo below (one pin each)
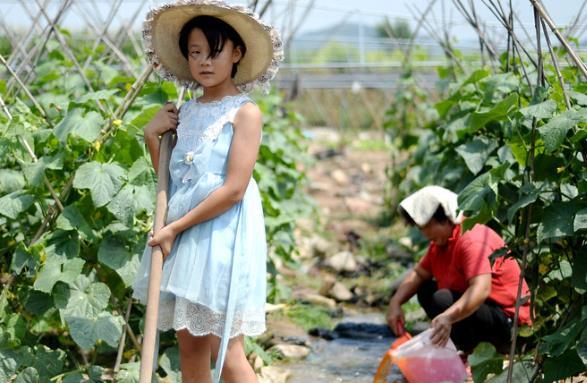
(323, 13)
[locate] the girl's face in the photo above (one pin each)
(210, 72)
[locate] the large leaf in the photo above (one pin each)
(82, 298)
(114, 254)
(501, 110)
(87, 126)
(10, 180)
(485, 360)
(557, 220)
(580, 221)
(28, 375)
(103, 180)
(562, 340)
(11, 205)
(540, 111)
(55, 270)
(554, 132)
(579, 276)
(564, 366)
(528, 196)
(47, 362)
(476, 152)
(169, 361)
(129, 373)
(130, 201)
(87, 331)
(35, 171)
(72, 220)
(522, 373)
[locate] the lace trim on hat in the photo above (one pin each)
(261, 82)
(199, 320)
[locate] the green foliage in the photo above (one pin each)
(308, 317)
(67, 271)
(517, 158)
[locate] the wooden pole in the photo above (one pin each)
(153, 292)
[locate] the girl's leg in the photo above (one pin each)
(194, 357)
(236, 366)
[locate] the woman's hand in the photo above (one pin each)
(442, 326)
(164, 239)
(165, 119)
(395, 318)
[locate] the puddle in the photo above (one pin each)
(344, 359)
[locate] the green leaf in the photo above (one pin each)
(554, 132)
(56, 269)
(28, 375)
(114, 254)
(557, 221)
(580, 221)
(129, 373)
(564, 271)
(72, 220)
(501, 110)
(523, 372)
(103, 180)
(169, 362)
(104, 94)
(541, 111)
(10, 181)
(87, 126)
(47, 362)
(476, 152)
(559, 342)
(485, 360)
(87, 331)
(580, 98)
(529, 195)
(564, 366)
(35, 171)
(83, 298)
(579, 277)
(9, 363)
(11, 205)
(38, 303)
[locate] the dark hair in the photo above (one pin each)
(439, 216)
(216, 32)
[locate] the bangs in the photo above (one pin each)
(216, 32)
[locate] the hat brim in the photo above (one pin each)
(164, 24)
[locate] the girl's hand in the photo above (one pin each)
(165, 119)
(164, 239)
(394, 317)
(442, 326)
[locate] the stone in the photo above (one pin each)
(320, 246)
(340, 177)
(340, 292)
(343, 261)
(291, 351)
(316, 299)
(273, 374)
(358, 205)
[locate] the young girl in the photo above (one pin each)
(214, 278)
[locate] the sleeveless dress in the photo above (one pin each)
(214, 279)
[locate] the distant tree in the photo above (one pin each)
(398, 29)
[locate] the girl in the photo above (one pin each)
(213, 282)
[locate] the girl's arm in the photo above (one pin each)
(165, 119)
(243, 153)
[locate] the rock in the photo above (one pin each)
(291, 351)
(269, 307)
(405, 242)
(343, 261)
(358, 205)
(328, 282)
(319, 246)
(316, 299)
(340, 177)
(272, 374)
(340, 292)
(366, 168)
(257, 362)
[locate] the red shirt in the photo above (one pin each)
(466, 256)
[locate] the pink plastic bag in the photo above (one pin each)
(421, 362)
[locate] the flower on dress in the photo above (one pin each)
(188, 158)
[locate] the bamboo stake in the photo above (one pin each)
(544, 15)
(122, 341)
(556, 67)
(153, 292)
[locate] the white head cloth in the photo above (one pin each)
(422, 204)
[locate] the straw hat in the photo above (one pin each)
(161, 35)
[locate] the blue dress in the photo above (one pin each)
(214, 279)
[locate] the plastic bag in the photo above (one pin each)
(421, 362)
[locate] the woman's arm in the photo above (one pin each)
(242, 157)
(405, 291)
(477, 292)
(165, 119)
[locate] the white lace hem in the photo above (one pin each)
(200, 320)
